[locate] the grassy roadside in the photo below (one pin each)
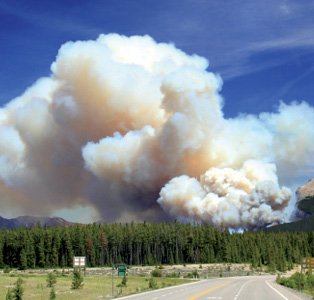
(98, 283)
(95, 287)
(300, 282)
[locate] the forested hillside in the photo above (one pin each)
(150, 244)
(304, 225)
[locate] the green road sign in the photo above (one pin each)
(122, 268)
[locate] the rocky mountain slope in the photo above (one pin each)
(27, 221)
(305, 195)
(306, 190)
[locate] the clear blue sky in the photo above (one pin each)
(263, 50)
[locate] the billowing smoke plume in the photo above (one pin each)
(248, 198)
(136, 129)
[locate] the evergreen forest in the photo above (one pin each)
(150, 244)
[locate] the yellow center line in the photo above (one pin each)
(215, 287)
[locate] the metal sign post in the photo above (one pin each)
(112, 281)
(122, 268)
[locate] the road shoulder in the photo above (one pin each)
(280, 287)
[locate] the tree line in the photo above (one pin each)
(150, 244)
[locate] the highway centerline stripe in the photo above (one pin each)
(215, 287)
(237, 295)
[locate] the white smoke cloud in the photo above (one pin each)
(124, 121)
(246, 198)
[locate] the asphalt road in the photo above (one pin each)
(233, 288)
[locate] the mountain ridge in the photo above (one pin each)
(29, 221)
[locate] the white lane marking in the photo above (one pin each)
(276, 290)
(237, 295)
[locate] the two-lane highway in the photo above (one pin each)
(232, 288)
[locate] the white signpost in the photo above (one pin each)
(79, 262)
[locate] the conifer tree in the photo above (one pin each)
(77, 282)
(51, 279)
(9, 295)
(18, 289)
(30, 251)
(23, 260)
(1, 253)
(66, 248)
(52, 294)
(103, 244)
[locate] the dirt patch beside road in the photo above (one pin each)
(203, 270)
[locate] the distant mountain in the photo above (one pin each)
(27, 221)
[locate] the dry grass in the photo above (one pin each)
(95, 287)
(98, 283)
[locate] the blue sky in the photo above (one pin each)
(263, 50)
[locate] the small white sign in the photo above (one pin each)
(78, 261)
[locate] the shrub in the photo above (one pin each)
(9, 295)
(152, 284)
(189, 275)
(156, 273)
(173, 275)
(310, 280)
(124, 281)
(288, 282)
(194, 274)
(296, 281)
(300, 280)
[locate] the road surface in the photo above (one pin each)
(232, 288)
